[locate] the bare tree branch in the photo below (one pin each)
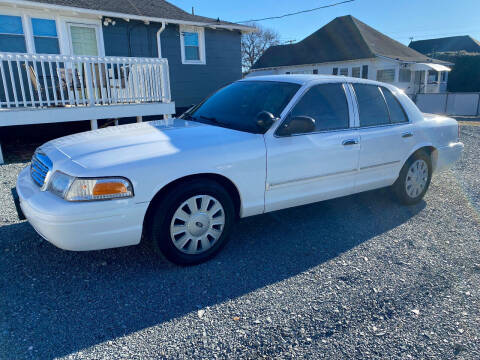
(255, 44)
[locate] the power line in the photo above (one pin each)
(296, 13)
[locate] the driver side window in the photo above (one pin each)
(327, 105)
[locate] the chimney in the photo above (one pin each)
(193, 10)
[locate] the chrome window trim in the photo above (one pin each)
(300, 97)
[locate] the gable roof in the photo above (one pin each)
(152, 10)
(344, 38)
(446, 44)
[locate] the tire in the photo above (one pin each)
(192, 223)
(414, 179)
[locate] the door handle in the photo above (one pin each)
(407, 134)
(350, 142)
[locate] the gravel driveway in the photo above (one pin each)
(357, 277)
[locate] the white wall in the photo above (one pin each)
(373, 66)
(462, 104)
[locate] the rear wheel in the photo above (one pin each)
(193, 222)
(414, 179)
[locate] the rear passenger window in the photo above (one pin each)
(397, 114)
(327, 105)
(371, 105)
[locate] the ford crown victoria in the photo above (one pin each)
(255, 146)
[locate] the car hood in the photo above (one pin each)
(133, 142)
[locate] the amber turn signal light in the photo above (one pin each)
(108, 188)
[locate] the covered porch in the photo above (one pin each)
(39, 89)
(430, 78)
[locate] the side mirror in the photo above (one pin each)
(297, 125)
(265, 119)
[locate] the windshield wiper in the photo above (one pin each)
(212, 119)
(189, 117)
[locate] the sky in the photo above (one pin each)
(399, 19)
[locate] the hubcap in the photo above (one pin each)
(197, 224)
(417, 177)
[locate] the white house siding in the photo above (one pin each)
(373, 66)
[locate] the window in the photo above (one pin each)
(327, 105)
(12, 38)
(397, 114)
(371, 105)
(344, 71)
(45, 36)
(315, 71)
(192, 48)
(84, 39)
(192, 45)
(387, 75)
(356, 72)
(365, 71)
(405, 75)
(444, 76)
(432, 76)
(237, 105)
(335, 71)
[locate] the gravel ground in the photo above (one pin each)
(357, 277)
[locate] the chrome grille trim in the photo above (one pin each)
(40, 168)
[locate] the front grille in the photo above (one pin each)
(40, 167)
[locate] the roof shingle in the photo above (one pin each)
(344, 38)
(447, 44)
(146, 8)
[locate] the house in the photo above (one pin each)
(346, 46)
(450, 44)
(463, 51)
(64, 60)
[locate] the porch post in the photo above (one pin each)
(425, 79)
(1, 155)
(94, 124)
(139, 119)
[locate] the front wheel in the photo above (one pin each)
(414, 179)
(192, 223)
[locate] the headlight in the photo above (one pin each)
(60, 183)
(89, 189)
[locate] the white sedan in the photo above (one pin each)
(255, 146)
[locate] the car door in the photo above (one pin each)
(386, 136)
(318, 165)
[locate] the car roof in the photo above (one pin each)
(303, 79)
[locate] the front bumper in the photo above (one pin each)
(80, 226)
(447, 155)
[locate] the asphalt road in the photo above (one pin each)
(357, 277)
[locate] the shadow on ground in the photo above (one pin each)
(61, 302)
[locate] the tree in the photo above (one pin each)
(255, 43)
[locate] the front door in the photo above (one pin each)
(308, 167)
(386, 136)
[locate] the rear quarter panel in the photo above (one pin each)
(430, 130)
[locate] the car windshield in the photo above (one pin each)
(237, 105)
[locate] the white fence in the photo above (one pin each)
(461, 104)
(40, 81)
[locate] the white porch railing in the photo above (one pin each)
(40, 81)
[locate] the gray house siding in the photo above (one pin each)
(189, 83)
